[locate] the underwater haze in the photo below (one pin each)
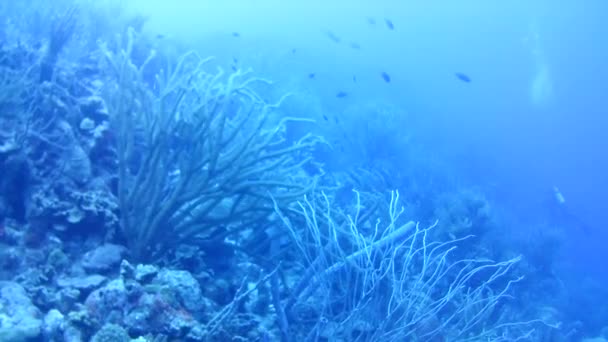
(268, 170)
(533, 117)
(533, 114)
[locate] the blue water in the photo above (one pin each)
(533, 117)
(507, 98)
(496, 132)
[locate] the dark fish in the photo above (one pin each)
(325, 117)
(234, 65)
(386, 77)
(463, 77)
(354, 45)
(160, 36)
(236, 34)
(332, 36)
(354, 78)
(341, 94)
(312, 75)
(293, 51)
(389, 24)
(371, 21)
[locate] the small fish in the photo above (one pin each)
(354, 45)
(160, 36)
(386, 77)
(236, 34)
(325, 117)
(354, 78)
(234, 64)
(293, 51)
(312, 75)
(332, 36)
(370, 21)
(341, 94)
(463, 77)
(389, 24)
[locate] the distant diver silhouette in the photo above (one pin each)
(563, 215)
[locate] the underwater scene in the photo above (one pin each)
(265, 170)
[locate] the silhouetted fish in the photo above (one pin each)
(236, 34)
(354, 45)
(370, 20)
(389, 24)
(234, 64)
(312, 75)
(386, 77)
(463, 77)
(341, 94)
(354, 78)
(325, 117)
(334, 38)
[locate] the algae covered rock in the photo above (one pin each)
(111, 333)
(19, 318)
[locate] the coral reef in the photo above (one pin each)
(145, 197)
